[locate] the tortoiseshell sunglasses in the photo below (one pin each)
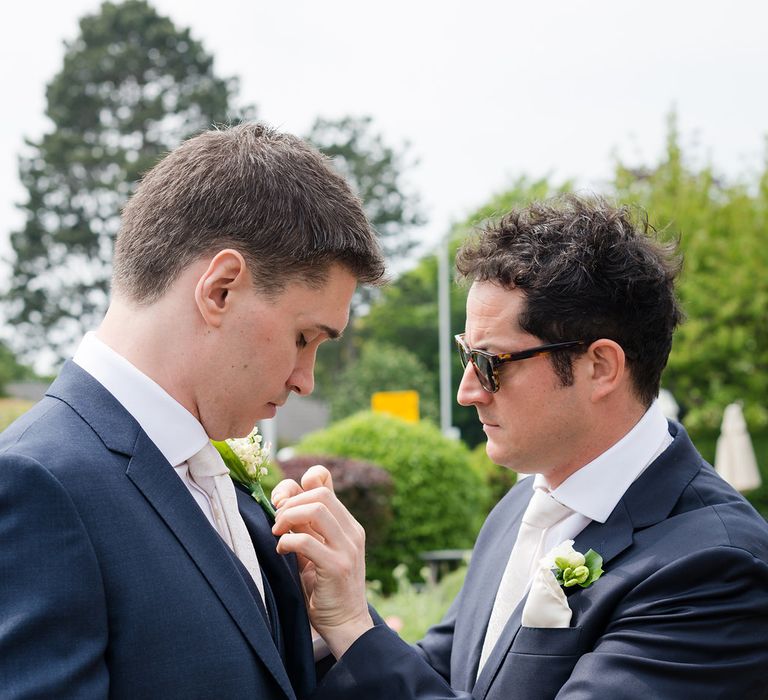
(486, 366)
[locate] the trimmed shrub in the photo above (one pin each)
(498, 479)
(437, 499)
(365, 489)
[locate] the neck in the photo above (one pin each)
(608, 424)
(151, 339)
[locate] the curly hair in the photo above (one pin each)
(588, 270)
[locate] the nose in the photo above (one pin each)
(470, 392)
(302, 379)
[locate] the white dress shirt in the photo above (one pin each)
(593, 491)
(171, 427)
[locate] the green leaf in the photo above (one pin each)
(236, 468)
(594, 562)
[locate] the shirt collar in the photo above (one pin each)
(174, 430)
(596, 488)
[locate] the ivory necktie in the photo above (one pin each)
(209, 472)
(542, 512)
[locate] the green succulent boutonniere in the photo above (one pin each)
(572, 568)
(247, 459)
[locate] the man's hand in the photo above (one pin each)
(330, 545)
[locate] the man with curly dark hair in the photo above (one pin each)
(625, 567)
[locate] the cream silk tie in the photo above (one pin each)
(209, 472)
(542, 512)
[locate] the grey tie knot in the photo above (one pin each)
(543, 511)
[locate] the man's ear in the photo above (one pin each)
(607, 367)
(226, 273)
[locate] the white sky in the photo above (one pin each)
(483, 91)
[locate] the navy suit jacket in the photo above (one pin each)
(681, 610)
(112, 581)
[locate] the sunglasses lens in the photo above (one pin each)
(484, 371)
(482, 365)
(463, 356)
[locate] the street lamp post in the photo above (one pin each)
(444, 337)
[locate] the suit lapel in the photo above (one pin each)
(282, 574)
(151, 474)
(649, 500)
(507, 635)
(482, 588)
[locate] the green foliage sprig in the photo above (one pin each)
(247, 461)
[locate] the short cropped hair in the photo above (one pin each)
(588, 270)
(269, 195)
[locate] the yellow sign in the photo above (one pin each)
(403, 404)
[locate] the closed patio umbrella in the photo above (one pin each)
(734, 456)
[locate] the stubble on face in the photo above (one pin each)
(267, 350)
(533, 419)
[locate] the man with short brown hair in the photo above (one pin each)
(130, 565)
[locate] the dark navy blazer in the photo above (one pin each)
(112, 581)
(681, 610)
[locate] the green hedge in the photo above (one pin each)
(438, 500)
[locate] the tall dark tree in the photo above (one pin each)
(375, 169)
(132, 86)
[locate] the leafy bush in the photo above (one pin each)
(437, 499)
(412, 610)
(720, 354)
(365, 489)
(497, 479)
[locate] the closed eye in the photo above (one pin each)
(301, 341)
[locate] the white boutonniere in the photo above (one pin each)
(572, 568)
(247, 459)
(562, 567)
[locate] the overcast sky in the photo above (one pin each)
(483, 91)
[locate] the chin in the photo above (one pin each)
(496, 456)
(504, 459)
